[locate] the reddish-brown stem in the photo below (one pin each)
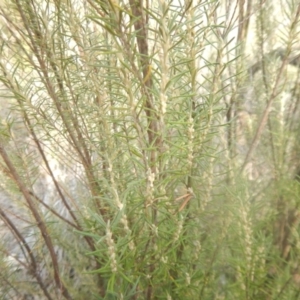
(40, 223)
(33, 265)
(37, 43)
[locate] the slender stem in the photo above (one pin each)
(40, 223)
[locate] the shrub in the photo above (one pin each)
(149, 150)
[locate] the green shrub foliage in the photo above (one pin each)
(149, 149)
